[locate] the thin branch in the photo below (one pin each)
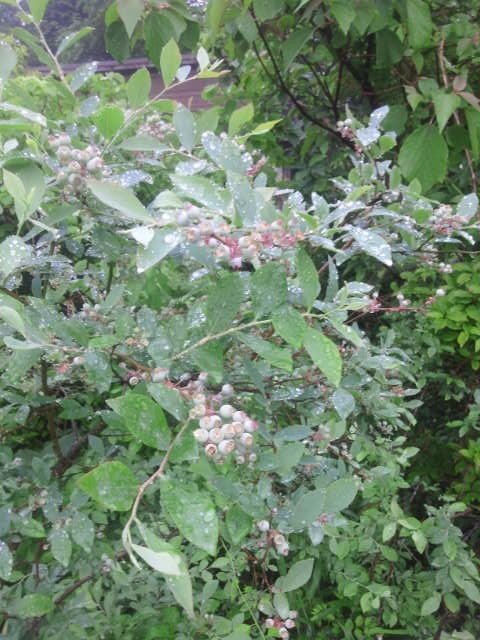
(297, 103)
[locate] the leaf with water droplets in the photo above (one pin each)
(112, 484)
(373, 244)
(6, 561)
(83, 532)
(290, 325)
(268, 289)
(367, 135)
(89, 106)
(142, 142)
(14, 253)
(162, 243)
(34, 605)
(225, 153)
(203, 191)
(144, 418)
(307, 277)
(223, 302)
(468, 206)
(82, 74)
(121, 199)
(344, 403)
(193, 513)
(307, 508)
(61, 546)
(72, 38)
(32, 116)
(276, 356)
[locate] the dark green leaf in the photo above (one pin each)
(112, 484)
(144, 418)
(324, 354)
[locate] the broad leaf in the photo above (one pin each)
(223, 303)
(8, 60)
(290, 325)
(34, 606)
(324, 354)
(307, 277)
(193, 513)
(164, 561)
(339, 495)
(276, 356)
(72, 38)
(144, 418)
(163, 242)
(6, 561)
(121, 199)
(431, 604)
(239, 118)
(424, 155)
(61, 546)
(298, 575)
(445, 105)
(185, 126)
(138, 88)
(268, 289)
(130, 12)
(419, 24)
(83, 532)
(307, 509)
(112, 484)
(109, 121)
(170, 60)
(373, 244)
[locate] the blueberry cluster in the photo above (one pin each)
(77, 165)
(283, 625)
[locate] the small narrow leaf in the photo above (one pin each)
(170, 60)
(307, 277)
(163, 561)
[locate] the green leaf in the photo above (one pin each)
(339, 495)
(268, 289)
(373, 244)
(267, 9)
(473, 124)
(180, 586)
(239, 524)
(290, 325)
(185, 126)
(419, 541)
(37, 9)
(130, 11)
(142, 142)
(164, 561)
(225, 153)
(324, 354)
(163, 242)
(419, 24)
(276, 356)
(239, 118)
(27, 188)
(307, 277)
(281, 604)
(61, 546)
(83, 532)
(389, 48)
(8, 60)
(389, 530)
(117, 42)
(34, 606)
(14, 253)
(223, 303)
(169, 399)
(203, 191)
(144, 418)
(431, 604)
(170, 60)
(445, 105)
(72, 38)
(307, 509)
(298, 575)
(6, 561)
(109, 121)
(424, 155)
(344, 13)
(295, 43)
(193, 513)
(13, 318)
(138, 88)
(121, 199)
(112, 484)
(215, 11)
(344, 403)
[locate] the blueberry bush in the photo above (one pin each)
(216, 389)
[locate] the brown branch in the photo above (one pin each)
(285, 88)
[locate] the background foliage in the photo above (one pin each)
(232, 407)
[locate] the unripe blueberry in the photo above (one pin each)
(283, 549)
(269, 623)
(226, 411)
(278, 539)
(133, 381)
(226, 447)
(228, 431)
(247, 440)
(289, 623)
(64, 138)
(199, 398)
(215, 421)
(263, 525)
(205, 423)
(293, 614)
(283, 633)
(78, 360)
(239, 416)
(238, 428)
(201, 435)
(240, 459)
(227, 390)
(95, 164)
(250, 425)
(252, 457)
(64, 154)
(216, 435)
(211, 449)
(182, 218)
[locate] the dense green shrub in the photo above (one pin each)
(207, 432)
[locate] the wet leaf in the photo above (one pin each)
(111, 484)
